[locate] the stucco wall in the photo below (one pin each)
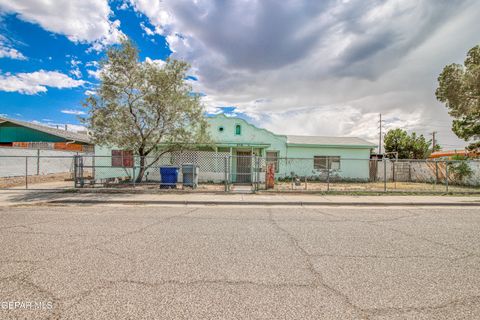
(354, 163)
(250, 135)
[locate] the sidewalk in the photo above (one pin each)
(11, 197)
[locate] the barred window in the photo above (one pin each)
(122, 158)
(272, 157)
(321, 162)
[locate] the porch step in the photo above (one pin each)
(242, 189)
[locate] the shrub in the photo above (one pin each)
(460, 169)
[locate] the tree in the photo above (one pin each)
(144, 107)
(407, 147)
(459, 89)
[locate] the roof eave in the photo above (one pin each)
(349, 146)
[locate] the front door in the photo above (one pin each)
(244, 167)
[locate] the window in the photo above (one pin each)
(238, 129)
(122, 158)
(272, 157)
(321, 162)
(220, 129)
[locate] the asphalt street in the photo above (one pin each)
(213, 262)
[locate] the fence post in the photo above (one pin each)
(328, 174)
(194, 169)
(133, 171)
(225, 173)
(93, 168)
(26, 172)
(257, 170)
(436, 172)
(75, 170)
(384, 174)
(446, 175)
(38, 162)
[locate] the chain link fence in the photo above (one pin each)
(39, 171)
(202, 171)
(223, 172)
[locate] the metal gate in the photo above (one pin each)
(244, 167)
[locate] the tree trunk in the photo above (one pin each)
(141, 170)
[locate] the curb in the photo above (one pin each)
(268, 203)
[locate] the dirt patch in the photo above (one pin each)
(372, 186)
(10, 182)
(156, 186)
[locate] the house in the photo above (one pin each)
(22, 134)
(242, 144)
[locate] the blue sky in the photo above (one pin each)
(54, 52)
(294, 67)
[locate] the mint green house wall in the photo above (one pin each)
(251, 136)
(354, 162)
(296, 159)
(252, 139)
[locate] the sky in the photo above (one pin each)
(294, 67)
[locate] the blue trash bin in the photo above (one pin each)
(169, 177)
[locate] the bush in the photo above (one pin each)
(460, 170)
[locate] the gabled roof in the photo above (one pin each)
(65, 134)
(328, 141)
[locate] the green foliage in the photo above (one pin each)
(459, 89)
(460, 168)
(144, 107)
(407, 146)
(475, 146)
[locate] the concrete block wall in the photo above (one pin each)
(15, 161)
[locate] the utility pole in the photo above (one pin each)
(434, 143)
(380, 136)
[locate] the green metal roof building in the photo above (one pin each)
(12, 131)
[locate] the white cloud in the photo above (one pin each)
(36, 82)
(75, 71)
(11, 53)
(94, 73)
(70, 127)
(148, 31)
(158, 62)
(73, 111)
(8, 51)
(90, 92)
(322, 67)
(85, 21)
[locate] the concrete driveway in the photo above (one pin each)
(157, 262)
